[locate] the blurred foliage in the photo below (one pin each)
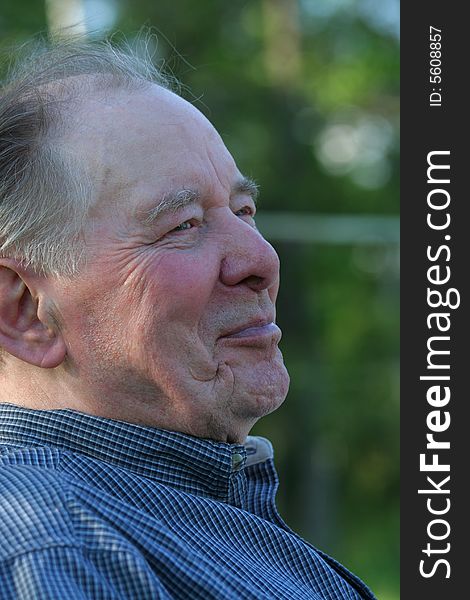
(305, 95)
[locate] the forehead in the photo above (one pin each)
(139, 144)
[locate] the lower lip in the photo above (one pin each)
(262, 332)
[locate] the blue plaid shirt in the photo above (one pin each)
(93, 508)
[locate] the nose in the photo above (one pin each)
(249, 259)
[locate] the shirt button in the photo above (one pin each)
(237, 460)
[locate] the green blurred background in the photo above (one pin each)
(305, 95)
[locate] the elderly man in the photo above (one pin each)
(139, 347)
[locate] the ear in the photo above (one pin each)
(27, 329)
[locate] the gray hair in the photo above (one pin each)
(44, 192)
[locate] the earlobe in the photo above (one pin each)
(54, 354)
(24, 331)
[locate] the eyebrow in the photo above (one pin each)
(174, 201)
(171, 202)
(247, 186)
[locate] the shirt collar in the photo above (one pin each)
(195, 465)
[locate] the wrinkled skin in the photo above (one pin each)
(145, 327)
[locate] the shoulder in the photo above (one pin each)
(42, 555)
(49, 497)
(33, 509)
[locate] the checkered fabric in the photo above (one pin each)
(92, 508)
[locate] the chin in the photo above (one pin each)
(262, 390)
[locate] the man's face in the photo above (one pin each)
(171, 321)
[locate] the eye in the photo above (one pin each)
(246, 211)
(184, 226)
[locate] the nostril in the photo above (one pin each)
(250, 260)
(254, 281)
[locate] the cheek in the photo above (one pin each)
(178, 286)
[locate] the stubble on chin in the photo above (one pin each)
(259, 388)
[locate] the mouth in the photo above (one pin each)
(257, 332)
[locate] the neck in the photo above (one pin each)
(48, 389)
